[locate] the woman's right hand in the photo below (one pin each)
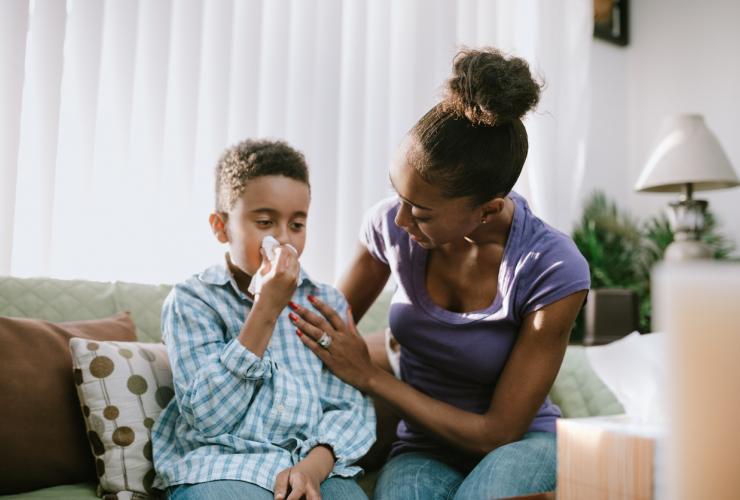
(279, 284)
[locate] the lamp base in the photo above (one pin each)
(687, 221)
(688, 249)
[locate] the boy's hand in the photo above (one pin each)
(279, 283)
(294, 484)
(304, 479)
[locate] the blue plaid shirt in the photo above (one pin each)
(236, 416)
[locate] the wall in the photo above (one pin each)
(683, 56)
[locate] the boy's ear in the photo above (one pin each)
(217, 220)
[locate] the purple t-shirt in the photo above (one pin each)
(458, 357)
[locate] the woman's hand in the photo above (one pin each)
(347, 356)
(294, 484)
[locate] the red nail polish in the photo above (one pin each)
(299, 333)
(311, 299)
(293, 305)
(293, 317)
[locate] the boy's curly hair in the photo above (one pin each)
(251, 159)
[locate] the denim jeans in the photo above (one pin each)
(519, 468)
(334, 488)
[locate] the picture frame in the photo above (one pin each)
(611, 21)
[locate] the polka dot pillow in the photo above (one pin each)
(123, 387)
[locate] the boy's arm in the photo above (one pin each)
(348, 424)
(257, 331)
(277, 290)
(305, 478)
(213, 376)
(318, 464)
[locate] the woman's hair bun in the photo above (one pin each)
(489, 88)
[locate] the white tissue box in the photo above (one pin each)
(607, 458)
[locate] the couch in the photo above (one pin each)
(577, 390)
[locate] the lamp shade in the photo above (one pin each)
(687, 153)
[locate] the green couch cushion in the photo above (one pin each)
(376, 318)
(56, 300)
(71, 300)
(145, 304)
(578, 391)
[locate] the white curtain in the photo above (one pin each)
(113, 114)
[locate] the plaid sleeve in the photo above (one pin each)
(348, 422)
(213, 376)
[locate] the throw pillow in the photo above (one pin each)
(123, 387)
(41, 429)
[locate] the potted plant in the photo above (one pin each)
(621, 252)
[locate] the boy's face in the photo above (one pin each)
(272, 205)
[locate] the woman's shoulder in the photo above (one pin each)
(543, 245)
(379, 233)
(547, 265)
(382, 214)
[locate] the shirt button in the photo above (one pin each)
(280, 408)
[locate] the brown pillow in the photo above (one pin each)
(42, 431)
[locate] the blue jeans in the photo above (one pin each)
(519, 468)
(334, 488)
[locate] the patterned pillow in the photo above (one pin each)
(122, 387)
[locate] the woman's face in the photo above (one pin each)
(430, 218)
(272, 205)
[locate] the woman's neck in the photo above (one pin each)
(494, 232)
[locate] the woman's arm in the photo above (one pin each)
(363, 281)
(524, 383)
(361, 285)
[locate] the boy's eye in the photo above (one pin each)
(297, 226)
(264, 223)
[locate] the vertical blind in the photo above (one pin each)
(113, 114)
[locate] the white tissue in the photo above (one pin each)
(272, 249)
(635, 369)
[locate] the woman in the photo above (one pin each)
(487, 294)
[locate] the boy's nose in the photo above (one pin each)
(281, 235)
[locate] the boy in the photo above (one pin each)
(255, 413)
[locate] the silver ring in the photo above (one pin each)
(324, 341)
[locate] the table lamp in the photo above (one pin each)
(687, 158)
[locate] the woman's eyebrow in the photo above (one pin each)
(405, 199)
